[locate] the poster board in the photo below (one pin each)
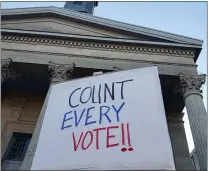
(110, 121)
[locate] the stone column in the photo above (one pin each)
(58, 73)
(6, 72)
(190, 89)
(179, 142)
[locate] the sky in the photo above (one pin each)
(183, 18)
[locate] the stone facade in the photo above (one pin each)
(49, 48)
(19, 114)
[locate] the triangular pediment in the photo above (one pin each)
(60, 20)
(57, 25)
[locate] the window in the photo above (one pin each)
(17, 146)
(78, 2)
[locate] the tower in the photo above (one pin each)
(81, 6)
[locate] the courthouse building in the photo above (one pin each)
(43, 45)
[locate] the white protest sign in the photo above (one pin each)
(111, 121)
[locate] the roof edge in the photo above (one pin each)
(104, 22)
(96, 38)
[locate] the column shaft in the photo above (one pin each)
(198, 122)
(27, 162)
(179, 143)
(190, 88)
(58, 73)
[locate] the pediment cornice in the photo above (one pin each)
(105, 44)
(7, 14)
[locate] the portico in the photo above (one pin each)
(34, 60)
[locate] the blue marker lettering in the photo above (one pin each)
(75, 118)
(104, 113)
(118, 110)
(89, 116)
(66, 119)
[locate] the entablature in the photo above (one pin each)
(118, 44)
(98, 52)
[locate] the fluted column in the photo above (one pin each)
(58, 73)
(190, 89)
(6, 72)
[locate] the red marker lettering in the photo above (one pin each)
(97, 136)
(110, 136)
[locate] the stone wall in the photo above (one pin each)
(19, 113)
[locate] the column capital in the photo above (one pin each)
(191, 84)
(60, 72)
(6, 72)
